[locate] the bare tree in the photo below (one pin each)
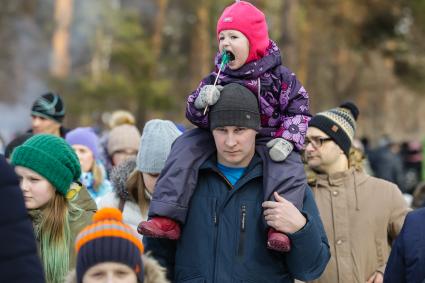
(60, 41)
(157, 37)
(200, 54)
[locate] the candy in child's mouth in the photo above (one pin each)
(231, 56)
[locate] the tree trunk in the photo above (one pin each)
(200, 56)
(303, 44)
(289, 33)
(60, 42)
(101, 55)
(157, 33)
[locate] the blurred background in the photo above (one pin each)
(148, 55)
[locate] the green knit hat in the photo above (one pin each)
(52, 158)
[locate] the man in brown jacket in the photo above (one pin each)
(361, 214)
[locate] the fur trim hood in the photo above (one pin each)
(153, 272)
(355, 162)
(119, 176)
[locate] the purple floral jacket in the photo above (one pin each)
(283, 101)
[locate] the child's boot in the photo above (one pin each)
(160, 227)
(278, 241)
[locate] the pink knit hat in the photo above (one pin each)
(246, 18)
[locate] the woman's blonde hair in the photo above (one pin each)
(54, 234)
(55, 238)
(136, 188)
(98, 175)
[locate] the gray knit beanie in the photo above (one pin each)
(237, 106)
(157, 138)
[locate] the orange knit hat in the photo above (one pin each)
(108, 239)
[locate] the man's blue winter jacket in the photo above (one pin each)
(225, 235)
(406, 263)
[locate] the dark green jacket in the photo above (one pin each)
(81, 199)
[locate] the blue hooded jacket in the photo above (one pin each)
(19, 261)
(225, 235)
(406, 263)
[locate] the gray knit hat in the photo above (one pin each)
(157, 138)
(237, 106)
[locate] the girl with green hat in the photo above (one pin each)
(49, 169)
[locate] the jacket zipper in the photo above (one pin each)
(216, 243)
(215, 217)
(224, 178)
(217, 230)
(242, 233)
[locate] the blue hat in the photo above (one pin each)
(84, 136)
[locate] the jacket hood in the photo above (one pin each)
(355, 172)
(254, 69)
(153, 272)
(356, 163)
(83, 199)
(119, 176)
(355, 175)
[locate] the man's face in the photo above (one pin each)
(235, 145)
(41, 125)
(321, 152)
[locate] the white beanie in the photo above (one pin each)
(157, 138)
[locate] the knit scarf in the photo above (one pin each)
(87, 180)
(54, 255)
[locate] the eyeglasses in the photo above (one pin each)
(316, 142)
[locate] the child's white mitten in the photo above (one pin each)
(208, 95)
(279, 149)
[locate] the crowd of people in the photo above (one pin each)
(399, 163)
(260, 190)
